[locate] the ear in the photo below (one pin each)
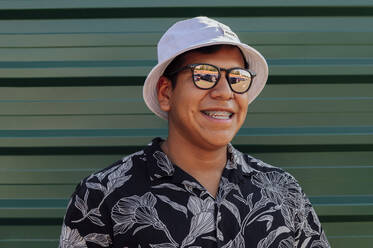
(164, 92)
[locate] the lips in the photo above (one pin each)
(220, 115)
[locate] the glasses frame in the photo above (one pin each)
(219, 69)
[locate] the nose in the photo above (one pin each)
(222, 90)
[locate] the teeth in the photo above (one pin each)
(221, 115)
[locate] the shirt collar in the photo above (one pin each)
(239, 161)
(160, 165)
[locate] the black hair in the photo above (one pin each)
(177, 62)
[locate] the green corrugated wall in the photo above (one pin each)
(70, 101)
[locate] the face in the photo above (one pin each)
(205, 118)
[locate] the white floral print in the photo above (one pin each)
(322, 242)
(164, 163)
(202, 221)
(116, 178)
(135, 210)
(103, 240)
(287, 243)
(70, 238)
(146, 201)
(278, 188)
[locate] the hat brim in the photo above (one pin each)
(256, 61)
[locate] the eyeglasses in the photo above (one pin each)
(206, 76)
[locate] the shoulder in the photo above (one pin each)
(261, 166)
(115, 175)
(124, 164)
(102, 183)
(95, 194)
(250, 163)
(276, 186)
(129, 173)
(261, 173)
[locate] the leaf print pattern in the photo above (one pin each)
(231, 164)
(113, 172)
(118, 177)
(82, 205)
(276, 187)
(301, 218)
(137, 210)
(268, 219)
(234, 210)
(202, 220)
(248, 201)
(150, 203)
(209, 238)
(283, 190)
(323, 242)
(131, 210)
(101, 175)
(197, 205)
(95, 219)
(71, 238)
(168, 186)
(287, 243)
(219, 233)
(96, 186)
(238, 242)
(224, 189)
(267, 241)
(164, 163)
(173, 204)
(238, 158)
(98, 238)
(259, 162)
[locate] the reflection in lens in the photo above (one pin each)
(239, 80)
(205, 76)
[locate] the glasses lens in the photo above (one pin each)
(240, 80)
(205, 76)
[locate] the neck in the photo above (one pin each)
(205, 165)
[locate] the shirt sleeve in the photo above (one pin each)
(85, 223)
(311, 233)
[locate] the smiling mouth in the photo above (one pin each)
(219, 115)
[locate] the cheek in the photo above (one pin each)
(182, 102)
(243, 101)
(187, 96)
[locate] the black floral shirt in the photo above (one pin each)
(144, 201)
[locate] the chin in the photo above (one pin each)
(217, 141)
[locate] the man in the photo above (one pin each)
(194, 189)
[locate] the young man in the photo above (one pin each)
(194, 189)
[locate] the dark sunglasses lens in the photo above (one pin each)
(240, 80)
(205, 76)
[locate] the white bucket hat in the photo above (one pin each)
(194, 33)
